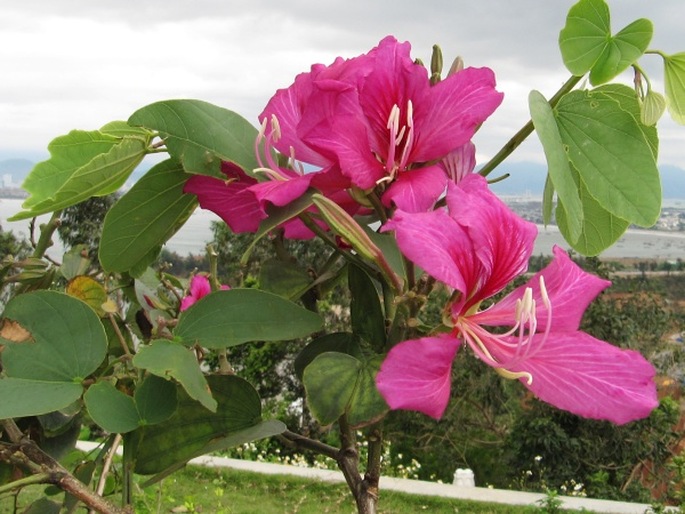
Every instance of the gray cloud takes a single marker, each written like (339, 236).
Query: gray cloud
(70, 63)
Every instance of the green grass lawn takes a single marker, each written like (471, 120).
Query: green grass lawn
(224, 491)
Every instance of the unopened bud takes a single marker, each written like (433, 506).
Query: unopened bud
(456, 67)
(436, 65)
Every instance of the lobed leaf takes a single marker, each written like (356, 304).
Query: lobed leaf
(608, 147)
(587, 45)
(337, 384)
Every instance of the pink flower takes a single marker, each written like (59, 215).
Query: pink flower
(199, 288)
(477, 249)
(376, 117)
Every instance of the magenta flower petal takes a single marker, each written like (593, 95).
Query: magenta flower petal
(186, 302)
(416, 374)
(437, 244)
(281, 192)
(502, 240)
(578, 373)
(199, 286)
(417, 190)
(231, 200)
(460, 162)
(570, 291)
(457, 106)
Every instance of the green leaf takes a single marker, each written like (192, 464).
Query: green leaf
(82, 164)
(201, 135)
(547, 201)
(23, 397)
(653, 108)
(368, 321)
(285, 279)
(337, 384)
(110, 408)
(607, 145)
(674, 78)
(66, 341)
(341, 342)
(228, 318)
(586, 42)
(156, 400)
(75, 262)
(600, 228)
(557, 161)
(145, 217)
(167, 359)
(193, 428)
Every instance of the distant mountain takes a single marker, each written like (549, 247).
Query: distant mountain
(529, 179)
(526, 178)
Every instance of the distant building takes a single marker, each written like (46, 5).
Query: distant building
(7, 180)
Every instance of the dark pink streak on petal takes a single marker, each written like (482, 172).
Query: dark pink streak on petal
(437, 244)
(501, 239)
(416, 375)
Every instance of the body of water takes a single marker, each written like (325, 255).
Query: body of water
(192, 238)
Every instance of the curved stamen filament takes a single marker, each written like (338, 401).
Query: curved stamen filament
(525, 327)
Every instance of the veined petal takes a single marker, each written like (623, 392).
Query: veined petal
(335, 126)
(437, 244)
(594, 379)
(570, 291)
(460, 162)
(416, 190)
(502, 240)
(231, 200)
(416, 374)
(457, 106)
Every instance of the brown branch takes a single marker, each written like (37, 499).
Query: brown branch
(26, 454)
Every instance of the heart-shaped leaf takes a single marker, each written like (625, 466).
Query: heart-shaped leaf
(337, 384)
(83, 164)
(51, 342)
(153, 402)
(608, 146)
(586, 42)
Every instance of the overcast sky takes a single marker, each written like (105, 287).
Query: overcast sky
(76, 64)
